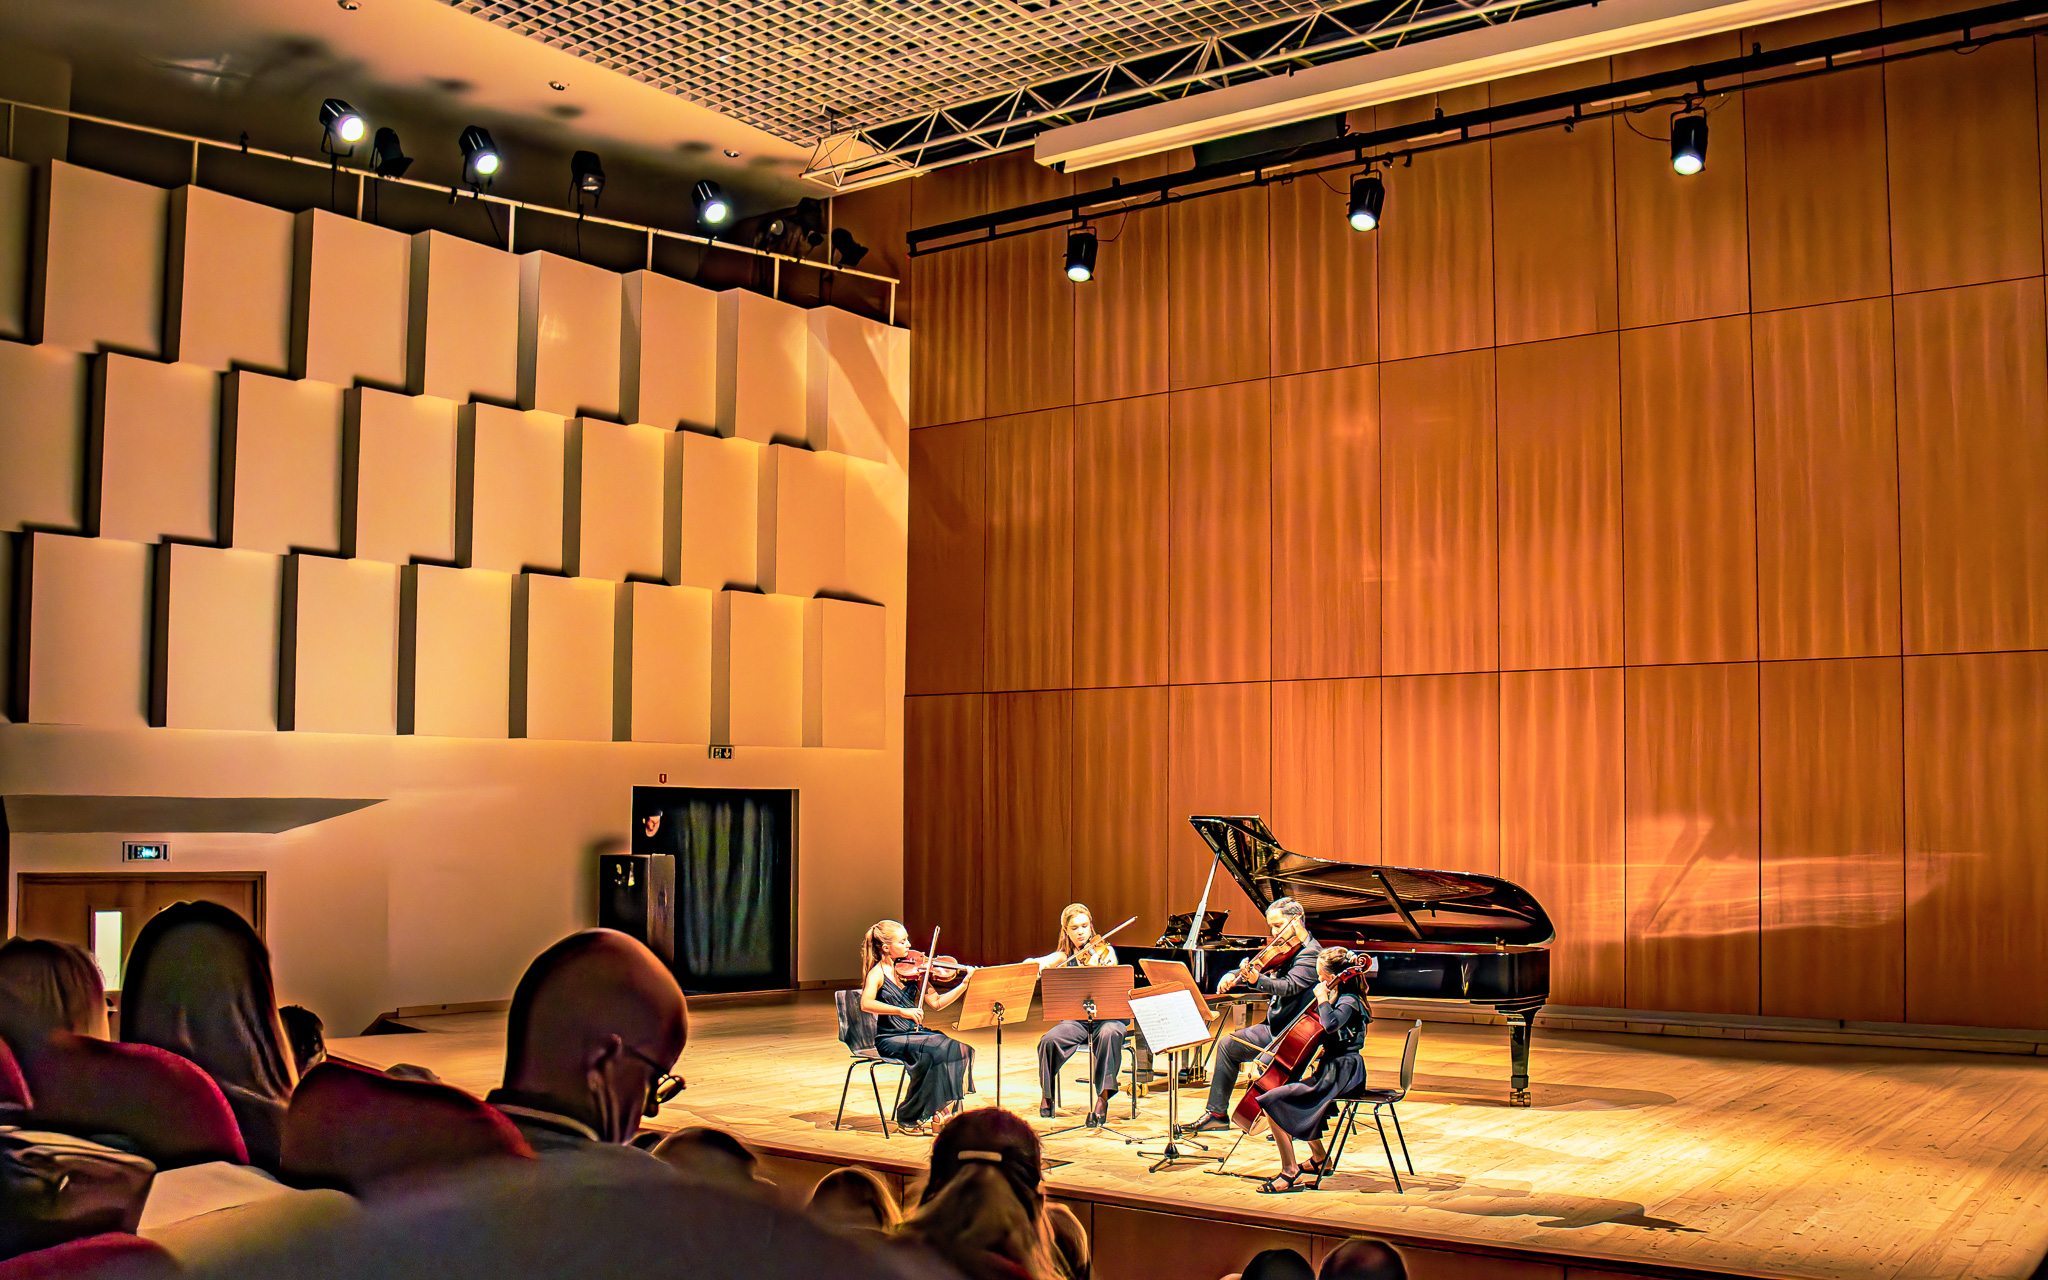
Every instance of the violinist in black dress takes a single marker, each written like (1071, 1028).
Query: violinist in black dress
(1080, 945)
(937, 1079)
(1302, 1109)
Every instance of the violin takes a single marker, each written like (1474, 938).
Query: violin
(1290, 1050)
(943, 972)
(1276, 954)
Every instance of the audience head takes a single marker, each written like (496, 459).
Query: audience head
(1278, 1264)
(1070, 1239)
(306, 1034)
(854, 1198)
(48, 986)
(709, 1155)
(1361, 1259)
(596, 1021)
(983, 1197)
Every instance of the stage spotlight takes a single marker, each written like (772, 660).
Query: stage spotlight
(713, 209)
(1368, 197)
(1688, 143)
(847, 251)
(1081, 255)
(479, 153)
(389, 160)
(341, 121)
(586, 173)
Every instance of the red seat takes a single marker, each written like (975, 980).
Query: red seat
(109, 1257)
(14, 1095)
(353, 1129)
(170, 1109)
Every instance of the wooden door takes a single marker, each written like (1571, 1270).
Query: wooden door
(62, 906)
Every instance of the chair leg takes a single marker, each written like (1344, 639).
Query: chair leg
(898, 1103)
(1345, 1124)
(1402, 1136)
(850, 1068)
(1398, 1188)
(876, 1085)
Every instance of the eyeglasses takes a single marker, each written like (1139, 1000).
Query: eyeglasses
(664, 1087)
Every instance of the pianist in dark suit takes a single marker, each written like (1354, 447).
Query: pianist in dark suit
(1292, 987)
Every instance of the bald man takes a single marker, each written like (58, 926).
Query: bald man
(596, 1025)
(1362, 1258)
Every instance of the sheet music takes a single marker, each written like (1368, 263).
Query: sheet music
(1169, 1019)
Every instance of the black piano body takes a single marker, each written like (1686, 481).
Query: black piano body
(1438, 935)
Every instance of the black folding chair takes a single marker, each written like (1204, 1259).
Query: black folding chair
(857, 1033)
(1378, 1100)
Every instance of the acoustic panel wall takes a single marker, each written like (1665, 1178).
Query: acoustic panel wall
(97, 283)
(455, 657)
(82, 653)
(662, 691)
(351, 301)
(509, 494)
(613, 497)
(757, 670)
(877, 514)
(398, 477)
(462, 320)
(339, 660)
(280, 474)
(858, 398)
(845, 665)
(763, 349)
(17, 223)
(228, 282)
(668, 358)
(802, 541)
(570, 315)
(153, 465)
(43, 436)
(711, 512)
(562, 655)
(216, 646)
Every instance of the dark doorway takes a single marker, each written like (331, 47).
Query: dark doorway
(734, 902)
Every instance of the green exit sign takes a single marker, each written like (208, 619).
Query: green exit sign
(145, 851)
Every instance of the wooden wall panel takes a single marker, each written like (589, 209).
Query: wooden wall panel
(1436, 242)
(1221, 737)
(1973, 464)
(946, 621)
(1684, 242)
(1030, 551)
(1827, 482)
(1560, 503)
(1030, 324)
(1438, 515)
(949, 375)
(1120, 315)
(1030, 846)
(1555, 272)
(1440, 772)
(1976, 822)
(1563, 821)
(1688, 494)
(1326, 524)
(1324, 276)
(945, 852)
(1120, 542)
(1326, 767)
(1693, 837)
(1219, 311)
(1965, 168)
(1819, 228)
(1834, 936)
(1220, 556)
(1120, 818)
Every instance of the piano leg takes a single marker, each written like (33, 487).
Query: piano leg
(1521, 1023)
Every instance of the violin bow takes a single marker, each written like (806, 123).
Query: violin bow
(924, 984)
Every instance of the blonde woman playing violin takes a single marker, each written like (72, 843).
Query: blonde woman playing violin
(1080, 944)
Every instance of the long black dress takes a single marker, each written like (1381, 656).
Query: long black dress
(938, 1062)
(1301, 1109)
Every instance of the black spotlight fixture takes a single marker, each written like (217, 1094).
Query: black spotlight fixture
(340, 123)
(1688, 143)
(586, 175)
(713, 209)
(1368, 197)
(479, 155)
(846, 251)
(387, 157)
(1081, 247)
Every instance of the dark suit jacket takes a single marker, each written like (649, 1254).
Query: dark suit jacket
(1291, 988)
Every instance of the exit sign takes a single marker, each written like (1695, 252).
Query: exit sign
(145, 851)
(721, 753)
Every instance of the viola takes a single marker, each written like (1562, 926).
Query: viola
(1290, 1052)
(944, 972)
(1276, 954)
(1096, 954)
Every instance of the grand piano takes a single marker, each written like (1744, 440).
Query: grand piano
(1438, 935)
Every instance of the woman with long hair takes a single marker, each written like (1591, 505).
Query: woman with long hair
(1302, 1109)
(1080, 944)
(48, 986)
(937, 1079)
(983, 1208)
(854, 1199)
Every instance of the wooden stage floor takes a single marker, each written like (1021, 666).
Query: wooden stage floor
(1721, 1156)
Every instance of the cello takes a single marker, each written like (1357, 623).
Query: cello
(1289, 1053)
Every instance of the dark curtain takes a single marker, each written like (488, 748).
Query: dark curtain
(732, 887)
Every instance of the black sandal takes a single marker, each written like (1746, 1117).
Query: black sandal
(1281, 1184)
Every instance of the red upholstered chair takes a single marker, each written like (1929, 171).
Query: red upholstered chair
(109, 1257)
(354, 1129)
(170, 1109)
(14, 1095)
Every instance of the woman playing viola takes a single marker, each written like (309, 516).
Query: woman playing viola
(1302, 1109)
(1080, 944)
(937, 1080)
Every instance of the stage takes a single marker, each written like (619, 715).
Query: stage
(1646, 1153)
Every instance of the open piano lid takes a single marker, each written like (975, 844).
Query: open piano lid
(1351, 901)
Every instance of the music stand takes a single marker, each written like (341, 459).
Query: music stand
(1090, 993)
(1171, 1015)
(995, 995)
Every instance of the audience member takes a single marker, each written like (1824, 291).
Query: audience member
(1362, 1259)
(412, 1071)
(710, 1155)
(307, 1036)
(48, 986)
(198, 984)
(983, 1209)
(1276, 1264)
(596, 1024)
(854, 1199)
(1070, 1240)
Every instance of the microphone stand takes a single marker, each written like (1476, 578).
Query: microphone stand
(1088, 1007)
(997, 1010)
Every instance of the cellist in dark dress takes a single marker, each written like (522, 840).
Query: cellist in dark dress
(1302, 1109)
(937, 1079)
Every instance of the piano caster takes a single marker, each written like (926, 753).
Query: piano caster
(1518, 1097)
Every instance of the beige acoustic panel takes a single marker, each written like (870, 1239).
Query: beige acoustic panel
(351, 296)
(569, 321)
(455, 652)
(668, 357)
(398, 476)
(509, 495)
(153, 459)
(17, 219)
(859, 386)
(762, 354)
(711, 523)
(462, 320)
(82, 649)
(217, 626)
(43, 407)
(757, 670)
(802, 545)
(613, 500)
(280, 471)
(662, 689)
(877, 524)
(562, 658)
(339, 660)
(845, 674)
(228, 283)
(98, 283)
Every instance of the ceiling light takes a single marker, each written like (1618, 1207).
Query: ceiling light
(558, 86)
(586, 173)
(388, 158)
(713, 209)
(479, 153)
(1688, 143)
(1081, 255)
(341, 121)
(1368, 197)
